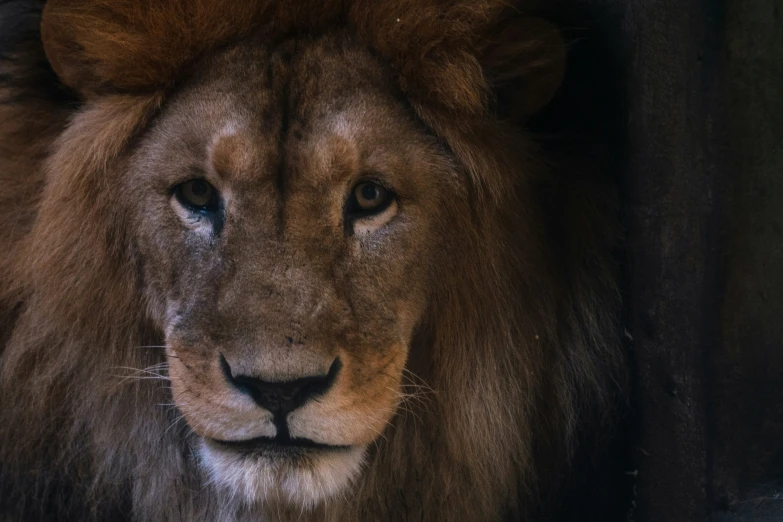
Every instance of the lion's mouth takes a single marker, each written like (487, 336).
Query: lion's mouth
(278, 468)
(283, 446)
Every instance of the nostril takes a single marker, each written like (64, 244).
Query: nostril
(228, 374)
(282, 397)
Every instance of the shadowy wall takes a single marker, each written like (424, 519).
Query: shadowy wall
(703, 191)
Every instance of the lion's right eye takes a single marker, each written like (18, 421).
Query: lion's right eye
(197, 195)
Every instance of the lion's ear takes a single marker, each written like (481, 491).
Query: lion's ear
(136, 45)
(98, 46)
(62, 34)
(524, 60)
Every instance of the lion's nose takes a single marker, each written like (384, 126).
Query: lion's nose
(282, 397)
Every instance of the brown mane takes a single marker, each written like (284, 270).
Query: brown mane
(523, 345)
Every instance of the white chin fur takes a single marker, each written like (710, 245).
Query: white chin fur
(304, 481)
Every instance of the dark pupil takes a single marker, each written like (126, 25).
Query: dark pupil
(370, 192)
(198, 188)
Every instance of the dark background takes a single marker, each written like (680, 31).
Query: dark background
(688, 97)
(702, 189)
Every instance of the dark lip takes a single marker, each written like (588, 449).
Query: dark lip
(277, 445)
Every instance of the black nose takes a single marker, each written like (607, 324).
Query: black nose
(283, 397)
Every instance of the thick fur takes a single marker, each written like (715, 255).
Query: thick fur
(519, 341)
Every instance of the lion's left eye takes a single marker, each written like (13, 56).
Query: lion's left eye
(367, 198)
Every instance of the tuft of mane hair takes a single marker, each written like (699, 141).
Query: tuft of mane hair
(75, 445)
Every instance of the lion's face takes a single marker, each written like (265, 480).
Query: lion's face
(287, 210)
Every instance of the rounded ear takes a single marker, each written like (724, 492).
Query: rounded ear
(524, 61)
(65, 55)
(97, 46)
(84, 39)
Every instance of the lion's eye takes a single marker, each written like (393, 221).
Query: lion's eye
(369, 197)
(197, 195)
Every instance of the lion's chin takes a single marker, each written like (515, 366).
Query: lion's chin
(297, 476)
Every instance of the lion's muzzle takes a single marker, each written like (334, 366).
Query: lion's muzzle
(281, 398)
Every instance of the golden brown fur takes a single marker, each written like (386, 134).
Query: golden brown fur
(494, 321)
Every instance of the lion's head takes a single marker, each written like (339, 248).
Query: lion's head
(320, 226)
(289, 214)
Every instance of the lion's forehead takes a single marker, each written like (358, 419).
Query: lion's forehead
(311, 110)
(243, 153)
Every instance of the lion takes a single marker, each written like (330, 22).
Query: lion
(294, 261)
